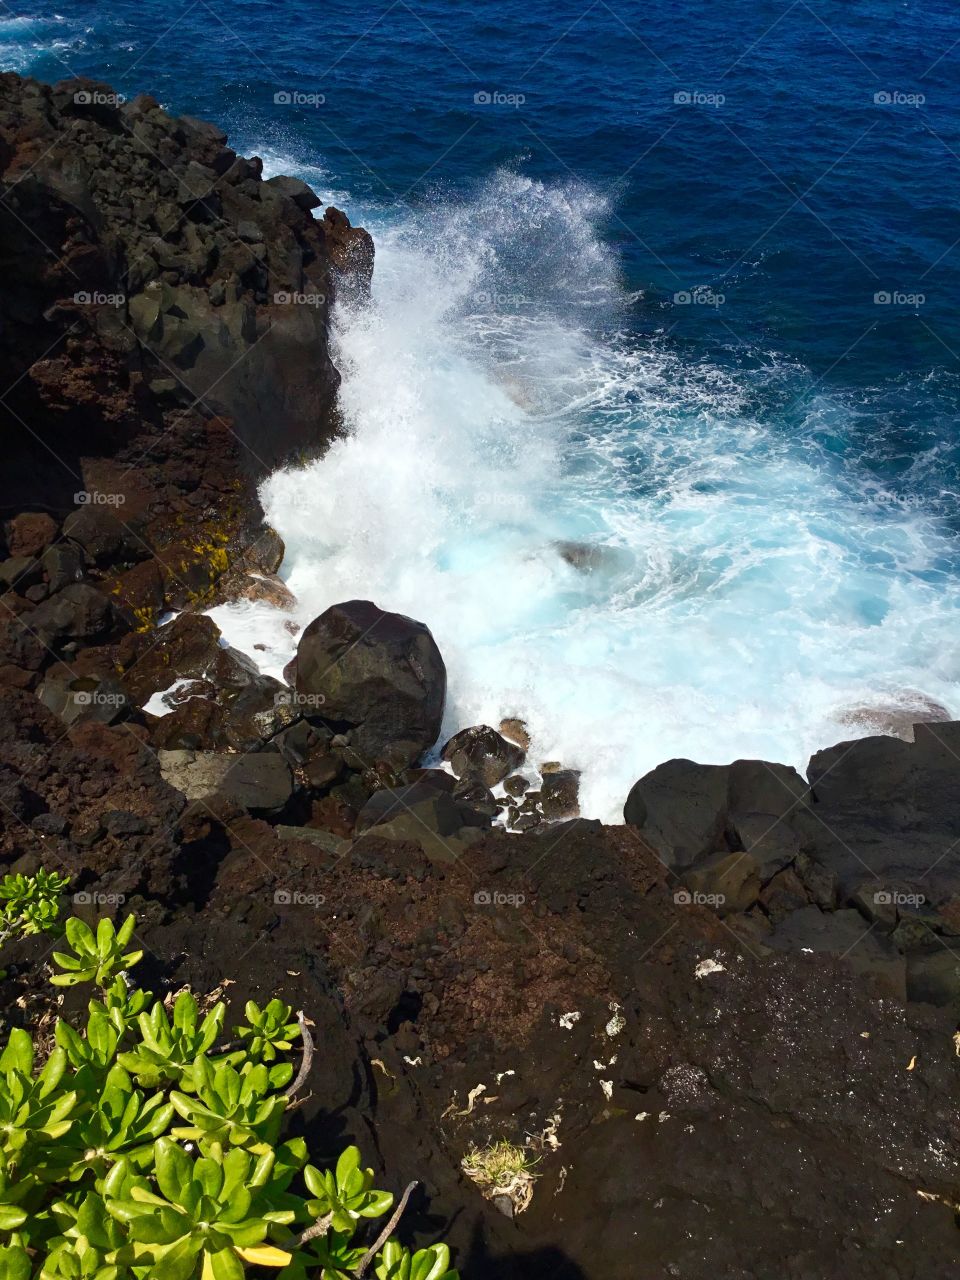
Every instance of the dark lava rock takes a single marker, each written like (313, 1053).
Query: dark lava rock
(483, 755)
(685, 810)
(103, 536)
(560, 794)
(438, 810)
(380, 673)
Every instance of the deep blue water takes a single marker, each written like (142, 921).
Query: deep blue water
(770, 196)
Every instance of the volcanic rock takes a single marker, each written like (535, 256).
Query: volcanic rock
(379, 673)
(483, 755)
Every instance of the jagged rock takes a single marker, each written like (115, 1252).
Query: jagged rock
(324, 840)
(560, 794)
(78, 612)
(481, 754)
(296, 191)
(379, 673)
(783, 894)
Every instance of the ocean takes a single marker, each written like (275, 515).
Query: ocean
(653, 418)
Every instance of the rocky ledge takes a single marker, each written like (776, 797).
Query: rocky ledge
(724, 1033)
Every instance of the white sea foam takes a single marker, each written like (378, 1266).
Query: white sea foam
(744, 591)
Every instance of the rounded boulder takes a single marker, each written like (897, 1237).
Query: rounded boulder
(378, 674)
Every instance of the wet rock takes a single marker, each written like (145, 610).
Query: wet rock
(430, 808)
(482, 755)
(560, 794)
(477, 797)
(516, 785)
(516, 731)
(379, 673)
(895, 717)
(259, 781)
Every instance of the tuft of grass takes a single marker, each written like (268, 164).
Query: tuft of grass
(502, 1169)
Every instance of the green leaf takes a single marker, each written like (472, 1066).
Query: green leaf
(174, 1168)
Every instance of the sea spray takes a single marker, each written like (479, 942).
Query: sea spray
(606, 537)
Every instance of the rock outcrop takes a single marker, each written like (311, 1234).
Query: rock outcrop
(164, 319)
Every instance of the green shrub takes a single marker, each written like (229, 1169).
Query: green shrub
(144, 1150)
(30, 904)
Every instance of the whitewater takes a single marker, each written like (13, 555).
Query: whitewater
(610, 537)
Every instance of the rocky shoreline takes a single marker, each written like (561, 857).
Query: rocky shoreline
(724, 1031)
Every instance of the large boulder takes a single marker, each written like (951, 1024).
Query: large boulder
(378, 675)
(688, 811)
